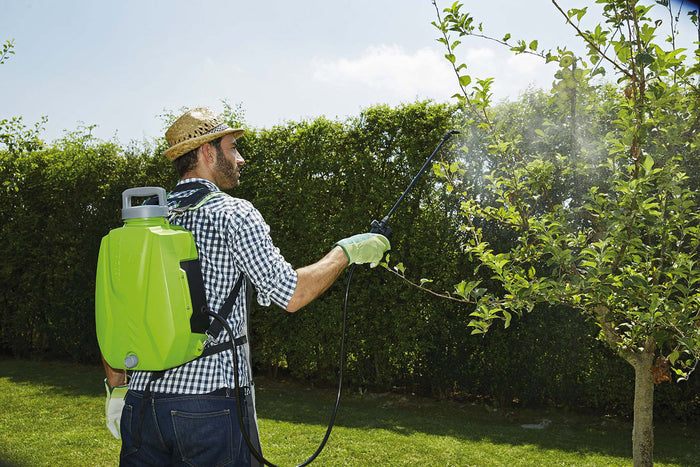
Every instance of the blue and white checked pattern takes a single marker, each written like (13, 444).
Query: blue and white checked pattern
(232, 238)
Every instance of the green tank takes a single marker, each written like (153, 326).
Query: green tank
(143, 304)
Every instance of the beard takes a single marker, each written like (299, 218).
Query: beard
(228, 171)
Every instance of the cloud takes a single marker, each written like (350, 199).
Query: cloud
(527, 65)
(391, 70)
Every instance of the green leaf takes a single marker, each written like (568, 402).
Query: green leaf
(644, 58)
(533, 45)
(507, 317)
(464, 289)
(674, 356)
(477, 293)
(465, 80)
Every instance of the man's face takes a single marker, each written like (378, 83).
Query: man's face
(228, 163)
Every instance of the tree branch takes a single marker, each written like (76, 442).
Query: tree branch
(611, 336)
(584, 36)
(424, 289)
(450, 51)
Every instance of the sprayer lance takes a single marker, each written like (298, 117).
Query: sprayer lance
(382, 226)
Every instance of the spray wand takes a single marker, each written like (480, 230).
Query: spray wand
(381, 227)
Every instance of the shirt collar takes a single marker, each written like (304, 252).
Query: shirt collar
(210, 184)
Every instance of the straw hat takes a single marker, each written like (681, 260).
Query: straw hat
(193, 129)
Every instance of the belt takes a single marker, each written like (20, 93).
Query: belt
(229, 392)
(221, 392)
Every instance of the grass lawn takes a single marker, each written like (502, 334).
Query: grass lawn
(53, 415)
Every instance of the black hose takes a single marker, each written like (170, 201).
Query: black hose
(254, 451)
(377, 227)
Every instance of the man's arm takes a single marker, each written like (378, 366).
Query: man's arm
(315, 279)
(114, 377)
(115, 387)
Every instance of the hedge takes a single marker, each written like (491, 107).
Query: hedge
(314, 182)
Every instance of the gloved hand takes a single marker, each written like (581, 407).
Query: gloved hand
(114, 406)
(365, 248)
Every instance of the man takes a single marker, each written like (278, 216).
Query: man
(189, 415)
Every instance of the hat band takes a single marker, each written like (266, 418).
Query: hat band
(218, 128)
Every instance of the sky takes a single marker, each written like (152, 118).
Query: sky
(121, 64)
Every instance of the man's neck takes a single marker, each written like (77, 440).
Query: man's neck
(195, 174)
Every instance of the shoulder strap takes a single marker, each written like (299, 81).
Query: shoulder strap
(189, 186)
(224, 313)
(201, 195)
(215, 328)
(194, 201)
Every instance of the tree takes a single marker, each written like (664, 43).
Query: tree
(18, 138)
(622, 245)
(14, 134)
(7, 50)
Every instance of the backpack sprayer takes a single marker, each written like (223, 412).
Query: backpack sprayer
(160, 310)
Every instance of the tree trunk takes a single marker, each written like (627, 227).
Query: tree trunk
(643, 430)
(642, 361)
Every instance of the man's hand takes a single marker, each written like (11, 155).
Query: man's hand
(114, 406)
(365, 248)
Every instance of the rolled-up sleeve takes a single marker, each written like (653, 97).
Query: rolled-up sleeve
(273, 277)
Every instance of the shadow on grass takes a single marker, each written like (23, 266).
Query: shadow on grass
(404, 415)
(66, 379)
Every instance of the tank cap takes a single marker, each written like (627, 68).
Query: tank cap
(144, 211)
(131, 361)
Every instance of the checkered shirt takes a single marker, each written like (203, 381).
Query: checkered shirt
(231, 238)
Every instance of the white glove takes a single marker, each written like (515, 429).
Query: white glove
(114, 406)
(365, 248)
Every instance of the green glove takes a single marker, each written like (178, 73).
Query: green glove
(365, 248)
(114, 406)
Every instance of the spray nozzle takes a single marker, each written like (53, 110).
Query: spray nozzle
(381, 227)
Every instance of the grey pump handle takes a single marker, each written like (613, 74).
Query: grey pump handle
(145, 211)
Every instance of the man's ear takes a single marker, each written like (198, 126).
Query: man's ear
(208, 153)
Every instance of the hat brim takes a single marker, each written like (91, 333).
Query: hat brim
(186, 146)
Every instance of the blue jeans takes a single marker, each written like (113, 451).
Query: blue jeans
(192, 430)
